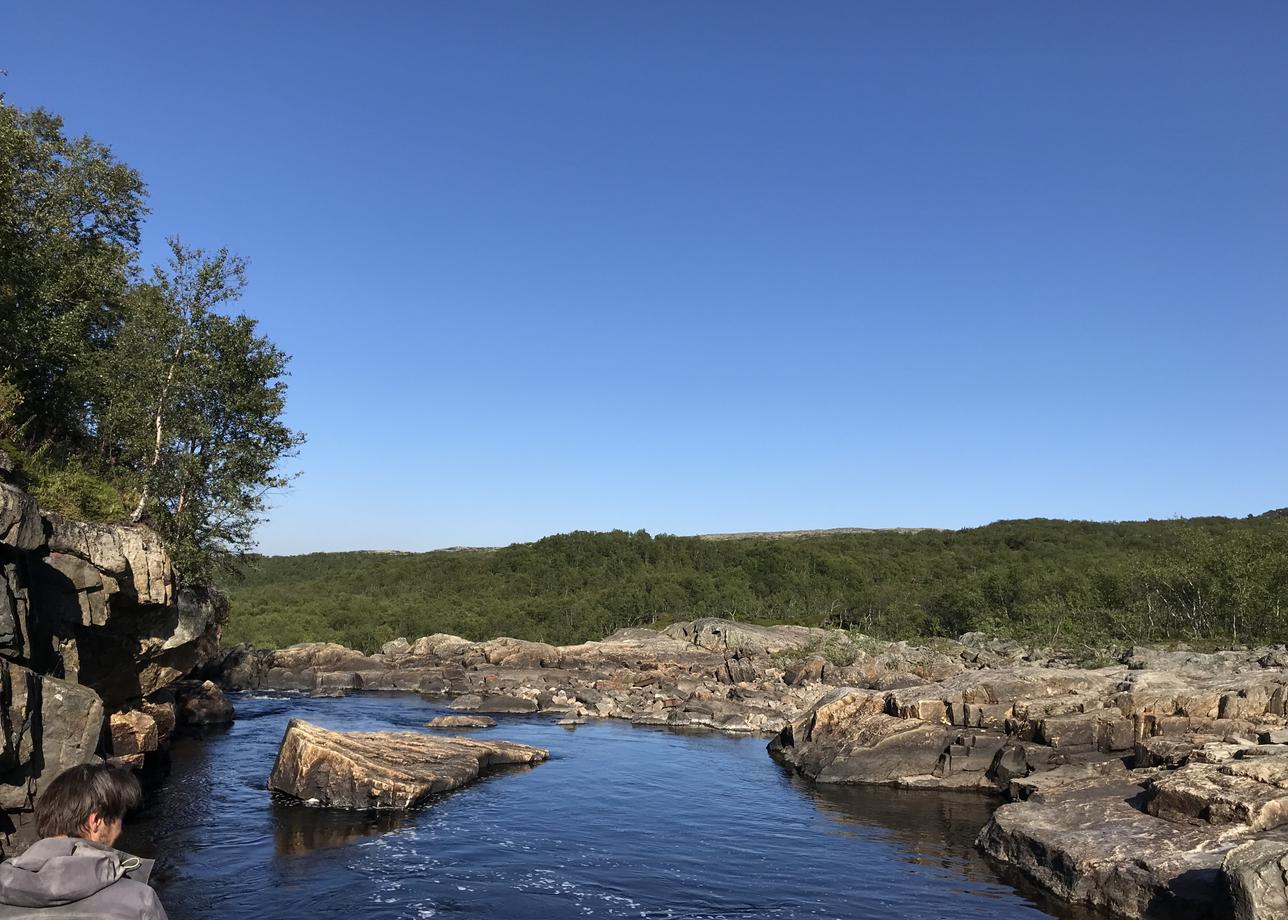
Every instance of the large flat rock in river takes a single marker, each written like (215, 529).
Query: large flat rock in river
(363, 770)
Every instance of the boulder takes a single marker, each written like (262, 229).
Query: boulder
(46, 726)
(321, 656)
(242, 668)
(494, 702)
(847, 737)
(728, 637)
(739, 669)
(163, 714)
(363, 770)
(21, 526)
(441, 645)
(1170, 752)
(202, 703)
(395, 647)
(461, 722)
(1248, 791)
(1256, 877)
(133, 732)
(517, 653)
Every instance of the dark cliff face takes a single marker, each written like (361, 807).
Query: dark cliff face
(94, 636)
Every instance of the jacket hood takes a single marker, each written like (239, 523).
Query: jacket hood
(63, 870)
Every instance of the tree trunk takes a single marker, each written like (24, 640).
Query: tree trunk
(156, 452)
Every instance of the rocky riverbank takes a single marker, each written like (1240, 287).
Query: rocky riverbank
(1154, 786)
(96, 638)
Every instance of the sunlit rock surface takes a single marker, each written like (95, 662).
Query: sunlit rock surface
(1129, 783)
(457, 722)
(1256, 876)
(1151, 840)
(362, 770)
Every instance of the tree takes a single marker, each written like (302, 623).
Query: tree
(185, 295)
(69, 234)
(197, 410)
(138, 390)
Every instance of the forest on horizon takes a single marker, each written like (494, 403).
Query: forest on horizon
(1062, 583)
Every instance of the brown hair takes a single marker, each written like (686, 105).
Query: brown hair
(65, 805)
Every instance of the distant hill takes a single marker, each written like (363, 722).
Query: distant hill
(800, 534)
(1049, 580)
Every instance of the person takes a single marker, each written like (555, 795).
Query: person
(73, 872)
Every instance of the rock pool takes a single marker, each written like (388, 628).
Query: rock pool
(622, 821)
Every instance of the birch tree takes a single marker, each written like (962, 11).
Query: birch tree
(192, 285)
(195, 410)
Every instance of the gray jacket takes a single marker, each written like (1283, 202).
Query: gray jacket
(66, 878)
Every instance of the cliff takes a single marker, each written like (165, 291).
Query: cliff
(95, 636)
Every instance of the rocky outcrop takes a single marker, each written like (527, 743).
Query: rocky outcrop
(641, 675)
(709, 673)
(1150, 841)
(1091, 843)
(978, 729)
(740, 639)
(1131, 785)
(201, 704)
(366, 770)
(459, 722)
(46, 726)
(1256, 877)
(94, 633)
(848, 736)
(238, 668)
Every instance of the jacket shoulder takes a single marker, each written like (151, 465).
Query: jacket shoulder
(124, 899)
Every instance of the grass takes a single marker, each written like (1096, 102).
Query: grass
(69, 485)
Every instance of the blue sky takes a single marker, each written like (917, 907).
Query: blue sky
(722, 266)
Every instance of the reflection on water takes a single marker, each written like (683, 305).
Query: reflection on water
(299, 828)
(939, 827)
(622, 821)
(931, 829)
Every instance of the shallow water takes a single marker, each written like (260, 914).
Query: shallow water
(622, 821)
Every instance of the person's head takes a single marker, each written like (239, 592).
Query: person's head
(88, 801)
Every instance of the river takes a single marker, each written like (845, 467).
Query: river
(622, 821)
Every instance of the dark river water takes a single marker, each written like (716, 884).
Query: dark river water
(622, 821)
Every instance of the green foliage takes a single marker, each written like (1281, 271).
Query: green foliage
(1068, 583)
(75, 492)
(10, 403)
(70, 484)
(112, 387)
(196, 410)
(69, 232)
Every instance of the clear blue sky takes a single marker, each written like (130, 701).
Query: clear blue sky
(719, 266)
